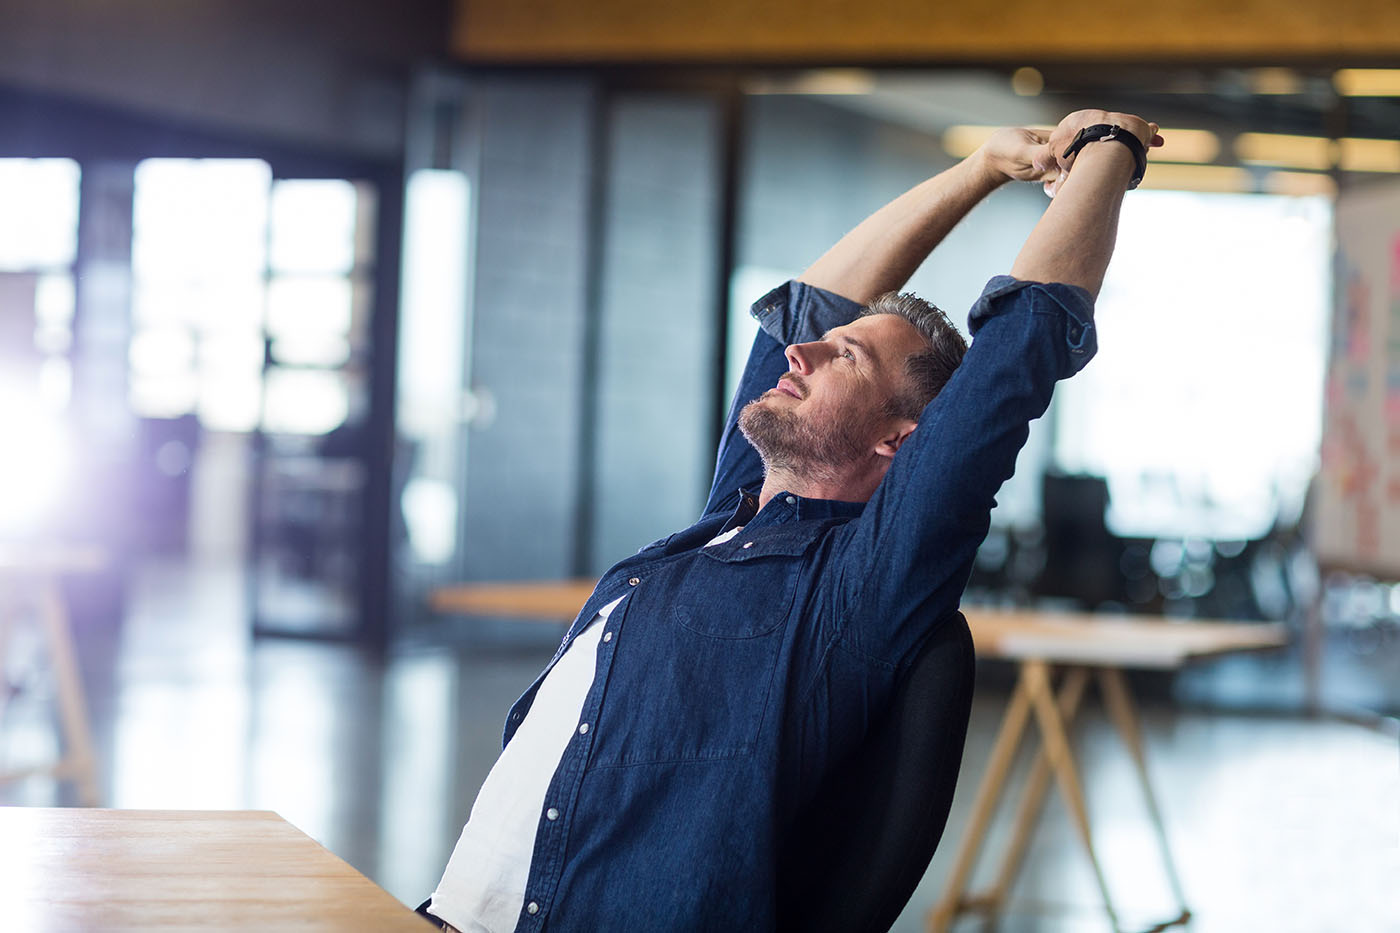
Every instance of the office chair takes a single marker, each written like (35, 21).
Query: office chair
(871, 831)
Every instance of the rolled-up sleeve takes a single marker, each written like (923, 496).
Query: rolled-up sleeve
(796, 312)
(1070, 305)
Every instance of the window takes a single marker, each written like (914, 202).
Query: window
(234, 270)
(1204, 407)
(38, 247)
(199, 255)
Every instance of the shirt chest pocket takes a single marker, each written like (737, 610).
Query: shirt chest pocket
(696, 664)
(743, 588)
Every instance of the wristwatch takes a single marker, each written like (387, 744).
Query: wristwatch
(1103, 131)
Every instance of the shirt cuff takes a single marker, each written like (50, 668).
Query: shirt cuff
(1072, 306)
(796, 312)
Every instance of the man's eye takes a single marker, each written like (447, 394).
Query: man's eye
(849, 355)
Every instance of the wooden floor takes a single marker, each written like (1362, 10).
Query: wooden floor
(1279, 823)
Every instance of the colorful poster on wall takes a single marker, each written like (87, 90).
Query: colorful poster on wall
(1357, 509)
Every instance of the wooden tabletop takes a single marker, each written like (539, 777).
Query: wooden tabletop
(77, 870)
(1135, 641)
(537, 600)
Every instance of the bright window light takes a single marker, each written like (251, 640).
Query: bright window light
(310, 350)
(162, 395)
(313, 226)
(1203, 408)
(430, 512)
(168, 351)
(434, 300)
(434, 346)
(200, 219)
(230, 362)
(199, 253)
(198, 303)
(229, 401)
(40, 198)
(304, 401)
(224, 259)
(56, 382)
(298, 305)
(156, 302)
(35, 470)
(54, 300)
(231, 350)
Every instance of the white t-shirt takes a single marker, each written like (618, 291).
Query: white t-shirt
(483, 887)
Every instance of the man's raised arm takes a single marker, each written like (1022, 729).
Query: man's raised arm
(907, 558)
(1074, 239)
(876, 257)
(881, 253)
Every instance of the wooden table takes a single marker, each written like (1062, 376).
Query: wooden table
(531, 600)
(1074, 646)
(1070, 647)
(77, 870)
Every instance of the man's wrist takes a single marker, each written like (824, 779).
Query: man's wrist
(1110, 156)
(984, 167)
(1112, 132)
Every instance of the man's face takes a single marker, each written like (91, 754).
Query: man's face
(828, 410)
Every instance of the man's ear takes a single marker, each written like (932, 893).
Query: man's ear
(889, 445)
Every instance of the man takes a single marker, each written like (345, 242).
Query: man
(651, 774)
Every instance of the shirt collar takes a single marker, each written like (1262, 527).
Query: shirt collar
(787, 506)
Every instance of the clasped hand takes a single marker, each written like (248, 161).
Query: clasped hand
(1027, 154)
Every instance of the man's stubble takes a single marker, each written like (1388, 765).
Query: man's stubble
(797, 446)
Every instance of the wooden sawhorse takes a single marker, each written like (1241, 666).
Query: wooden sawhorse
(1083, 646)
(30, 577)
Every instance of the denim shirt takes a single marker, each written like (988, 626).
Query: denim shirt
(737, 675)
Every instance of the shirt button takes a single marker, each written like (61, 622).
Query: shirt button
(532, 908)
(607, 636)
(551, 814)
(583, 729)
(748, 544)
(634, 581)
(791, 500)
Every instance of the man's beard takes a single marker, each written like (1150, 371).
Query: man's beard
(789, 444)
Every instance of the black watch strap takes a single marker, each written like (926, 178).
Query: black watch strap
(1104, 131)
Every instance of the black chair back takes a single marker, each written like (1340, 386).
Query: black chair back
(866, 840)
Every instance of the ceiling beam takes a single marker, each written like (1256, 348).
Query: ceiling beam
(926, 32)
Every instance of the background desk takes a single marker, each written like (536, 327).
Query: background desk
(1076, 645)
(538, 600)
(74, 870)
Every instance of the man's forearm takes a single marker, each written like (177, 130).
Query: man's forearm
(882, 252)
(1074, 239)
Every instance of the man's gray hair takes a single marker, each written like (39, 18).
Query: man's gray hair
(929, 370)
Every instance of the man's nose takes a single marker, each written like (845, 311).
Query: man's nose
(803, 357)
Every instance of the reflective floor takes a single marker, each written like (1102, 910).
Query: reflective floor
(1278, 823)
